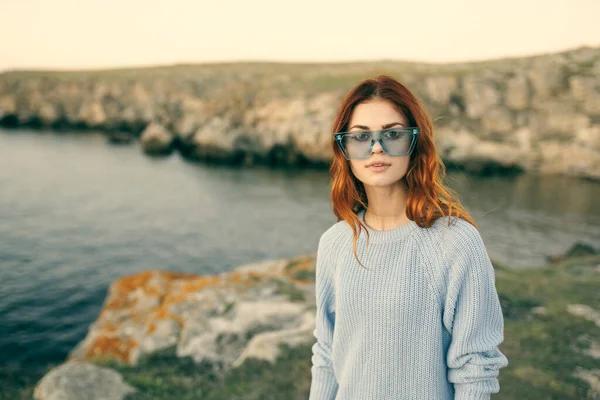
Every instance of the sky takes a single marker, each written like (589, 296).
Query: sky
(82, 34)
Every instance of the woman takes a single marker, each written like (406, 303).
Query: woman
(406, 301)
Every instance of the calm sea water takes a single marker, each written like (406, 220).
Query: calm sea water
(77, 213)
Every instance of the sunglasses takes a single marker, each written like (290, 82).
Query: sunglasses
(396, 142)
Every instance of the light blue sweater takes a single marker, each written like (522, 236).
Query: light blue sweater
(423, 323)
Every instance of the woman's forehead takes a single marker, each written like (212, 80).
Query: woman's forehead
(375, 114)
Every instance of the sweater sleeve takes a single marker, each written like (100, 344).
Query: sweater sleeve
(473, 316)
(324, 385)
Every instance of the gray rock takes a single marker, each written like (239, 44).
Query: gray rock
(206, 341)
(591, 104)
(564, 158)
(265, 346)
(440, 88)
(578, 249)
(518, 93)
(583, 86)
(547, 78)
(81, 381)
(7, 105)
(480, 95)
(463, 147)
(497, 120)
(585, 311)
(92, 113)
(164, 335)
(589, 137)
(592, 377)
(213, 318)
(157, 140)
(48, 114)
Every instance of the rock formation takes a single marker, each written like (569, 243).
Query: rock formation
(537, 113)
(223, 319)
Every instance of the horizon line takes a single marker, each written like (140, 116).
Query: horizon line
(294, 62)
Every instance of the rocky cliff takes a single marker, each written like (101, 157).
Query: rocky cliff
(538, 113)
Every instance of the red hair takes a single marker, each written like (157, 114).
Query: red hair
(428, 198)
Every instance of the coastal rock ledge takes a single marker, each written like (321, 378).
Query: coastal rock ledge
(220, 320)
(538, 113)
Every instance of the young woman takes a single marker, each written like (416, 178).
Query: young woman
(407, 306)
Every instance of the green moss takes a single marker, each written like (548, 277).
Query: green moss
(18, 383)
(255, 330)
(498, 266)
(304, 275)
(228, 307)
(292, 264)
(288, 289)
(517, 307)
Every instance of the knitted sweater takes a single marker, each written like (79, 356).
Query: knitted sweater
(423, 322)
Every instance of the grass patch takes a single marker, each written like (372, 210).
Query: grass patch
(165, 376)
(545, 349)
(293, 264)
(304, 275)
(288, 289)
(301, 269)
(18, 383)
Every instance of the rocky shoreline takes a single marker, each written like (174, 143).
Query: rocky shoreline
(247, 333)
(219, 321)
(539, 114)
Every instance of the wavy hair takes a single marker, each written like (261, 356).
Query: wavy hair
(428, 197)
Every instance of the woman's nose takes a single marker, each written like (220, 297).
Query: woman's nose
(377, 148)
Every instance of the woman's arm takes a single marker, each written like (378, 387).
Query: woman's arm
(324, 385)
(473, 316)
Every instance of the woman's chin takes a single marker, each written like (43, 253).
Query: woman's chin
(381, 181)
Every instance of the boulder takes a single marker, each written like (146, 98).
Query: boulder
(209, 318)
(440, 88)
(156, 140)
(480, 95)
(81, 381)
(578, 249)
(518, 93)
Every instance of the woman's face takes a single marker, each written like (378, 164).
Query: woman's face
(374, 115)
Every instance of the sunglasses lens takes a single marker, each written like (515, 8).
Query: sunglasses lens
(357, 145)
(397, 143)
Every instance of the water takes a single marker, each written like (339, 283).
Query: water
(77, 213)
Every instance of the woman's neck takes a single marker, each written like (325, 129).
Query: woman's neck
(387, 206)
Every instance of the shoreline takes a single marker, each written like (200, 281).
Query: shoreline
(180, 147)
(538, 114)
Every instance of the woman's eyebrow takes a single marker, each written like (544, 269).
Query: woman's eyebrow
(382, 126)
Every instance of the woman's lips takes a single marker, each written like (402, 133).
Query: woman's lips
(378, 167)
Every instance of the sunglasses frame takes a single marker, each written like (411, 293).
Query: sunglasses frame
(414, 130)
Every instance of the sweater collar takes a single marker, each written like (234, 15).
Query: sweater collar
(377, 236)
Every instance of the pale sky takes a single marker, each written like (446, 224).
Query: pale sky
(76, 34)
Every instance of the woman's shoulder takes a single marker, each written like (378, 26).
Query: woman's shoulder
(338, 229)
(452, 244)
(337, 233)
(450, 232)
